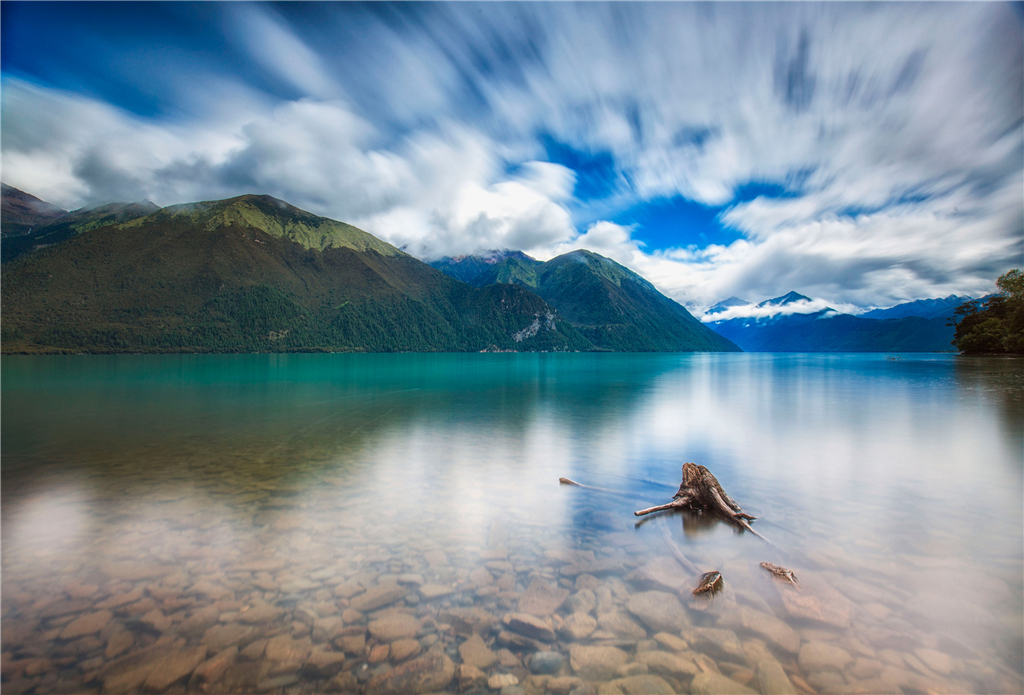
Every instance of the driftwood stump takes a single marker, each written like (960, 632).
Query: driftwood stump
(700, 491)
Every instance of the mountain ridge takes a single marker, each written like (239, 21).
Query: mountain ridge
(826, 330)
(233, 276)
(612, 306)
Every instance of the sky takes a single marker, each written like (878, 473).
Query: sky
(860, 154)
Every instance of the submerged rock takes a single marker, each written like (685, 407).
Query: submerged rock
(546, 663)
(530, 626)
(638, 685)
(542, 599)
(658, 610)
(174, 667)
(820, 656)
(771, 678)
(475, 653)
(596, 663)
(577, 626)
(660, 574)
(86, 625)
(621, 625)
(501, 680)
(718, 644)
(396, 626)
(431, 672)
(377, 597)
(667, 664)
(768, 627)
(710, 683)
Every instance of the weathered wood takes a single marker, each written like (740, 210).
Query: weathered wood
(700, 491)
(568, 481)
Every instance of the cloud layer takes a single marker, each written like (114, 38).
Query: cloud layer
(894, 131)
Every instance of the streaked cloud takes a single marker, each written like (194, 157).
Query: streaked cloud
(893, 131)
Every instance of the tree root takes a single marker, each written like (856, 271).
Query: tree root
(700, 491)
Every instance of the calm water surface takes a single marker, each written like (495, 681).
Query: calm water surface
(394, 523)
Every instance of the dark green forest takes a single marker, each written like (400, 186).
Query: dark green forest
(997, 327)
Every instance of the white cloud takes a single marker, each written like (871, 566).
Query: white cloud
(896, 129)
(769, 310)
(271, 43)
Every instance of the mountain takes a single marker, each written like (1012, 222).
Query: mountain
(20, 212)
(72, 223)
(255, 274)
(788, 298)
(611, 306)
(727, 304)
(828, 331)
(925, 308)
(468, 268)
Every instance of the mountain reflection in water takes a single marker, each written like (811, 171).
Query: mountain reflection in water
(164, 510)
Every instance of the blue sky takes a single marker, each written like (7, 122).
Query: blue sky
(859, 154)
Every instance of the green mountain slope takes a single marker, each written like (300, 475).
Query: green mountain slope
(612, 306)
(255, 274)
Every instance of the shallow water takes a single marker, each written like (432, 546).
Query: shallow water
(160, 512)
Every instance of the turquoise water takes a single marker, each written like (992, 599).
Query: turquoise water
(896, 483)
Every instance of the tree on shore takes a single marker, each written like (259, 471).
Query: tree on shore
(998, 328)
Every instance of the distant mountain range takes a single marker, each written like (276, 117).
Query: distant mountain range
(912, 327)
(613, 307)
(255, 274)
(925, 308)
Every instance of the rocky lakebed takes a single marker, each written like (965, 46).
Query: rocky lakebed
(314, 599)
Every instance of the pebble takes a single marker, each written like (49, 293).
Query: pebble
(86, 625)
(542, 599)
(658, 610)
(638, 685)
(530, 626)
(394, 626)
(820, 656)
(471, 677)
(174, 667)
(768, 627)
(402, 649)
(621, 625)
(771, 678)
(546, 662)
(666, 664)
(431, 672)
(577, 626)
(595, 663)
(377, 597)
(716, 684)
(476, 653)
(379, 653)
(716, 643)
(500, 680)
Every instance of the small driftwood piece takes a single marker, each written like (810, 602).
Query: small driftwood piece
(780, 572)
(710, 583)
(567, 481)
(700, 491)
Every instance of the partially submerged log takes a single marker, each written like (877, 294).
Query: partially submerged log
(701, 492)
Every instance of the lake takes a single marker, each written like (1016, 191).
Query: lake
(395, 523)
